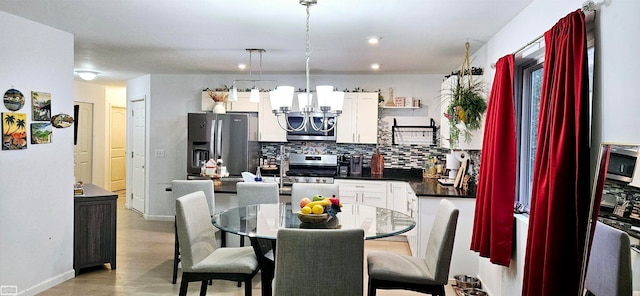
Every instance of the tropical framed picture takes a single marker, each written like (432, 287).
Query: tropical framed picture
(41, 132)
(14, 131)
(41, 106)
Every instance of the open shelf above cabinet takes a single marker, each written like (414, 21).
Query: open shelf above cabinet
(414, 134)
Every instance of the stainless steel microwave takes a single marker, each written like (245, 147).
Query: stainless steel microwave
(296, 119)
(622, 164)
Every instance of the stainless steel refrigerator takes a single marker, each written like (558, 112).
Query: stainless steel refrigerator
(232, 136)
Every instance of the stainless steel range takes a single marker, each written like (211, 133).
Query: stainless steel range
(309, 168)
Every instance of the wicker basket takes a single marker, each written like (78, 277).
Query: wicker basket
(313, 218)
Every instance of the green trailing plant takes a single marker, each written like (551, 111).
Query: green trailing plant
(465, 110)
(466, 103)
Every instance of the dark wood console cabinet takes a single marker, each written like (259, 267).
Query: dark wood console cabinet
(94, 234)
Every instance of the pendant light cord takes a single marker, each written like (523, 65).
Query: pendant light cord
(308, 55)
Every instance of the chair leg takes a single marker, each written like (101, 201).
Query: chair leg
(247, 287)
(176, 256)
(183, 287)
(371, 290)
(203, 288)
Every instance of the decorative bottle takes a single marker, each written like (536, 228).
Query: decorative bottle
(258, 177)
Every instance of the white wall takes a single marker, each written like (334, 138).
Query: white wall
(614, 107)
(36, 195)
(171, 97)
(102, 97)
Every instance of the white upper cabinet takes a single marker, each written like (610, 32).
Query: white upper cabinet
(269, 129)
(358, 122)
(243, 104)
(477, 135)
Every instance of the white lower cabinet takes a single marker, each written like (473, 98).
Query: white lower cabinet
(397, 196)
(412, 210)
(463, 260)
(371, 193)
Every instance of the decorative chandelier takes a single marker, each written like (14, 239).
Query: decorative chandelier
(329, 101)
(255, 92)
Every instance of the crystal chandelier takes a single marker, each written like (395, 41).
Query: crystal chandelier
(329, 101)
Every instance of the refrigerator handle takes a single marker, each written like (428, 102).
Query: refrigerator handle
(219, 140)
(212, 139)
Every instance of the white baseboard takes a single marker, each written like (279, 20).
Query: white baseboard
(50, 283)
(158, 217)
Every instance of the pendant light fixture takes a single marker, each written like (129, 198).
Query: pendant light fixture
(255, 91)
(329, 101)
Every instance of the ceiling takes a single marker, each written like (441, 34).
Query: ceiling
(123, 39)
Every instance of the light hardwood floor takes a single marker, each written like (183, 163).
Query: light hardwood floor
(144, 264)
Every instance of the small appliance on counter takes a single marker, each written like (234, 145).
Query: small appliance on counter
(343, 165)
(355, 169)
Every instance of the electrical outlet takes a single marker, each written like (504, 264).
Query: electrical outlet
(159, 153)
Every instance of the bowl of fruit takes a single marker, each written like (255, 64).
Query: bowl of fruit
(319, 209)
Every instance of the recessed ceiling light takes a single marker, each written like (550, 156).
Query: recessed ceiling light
(242, 66)
(375, 66)
(87, 74)
(373, 40)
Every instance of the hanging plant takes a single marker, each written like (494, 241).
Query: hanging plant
(466, 105)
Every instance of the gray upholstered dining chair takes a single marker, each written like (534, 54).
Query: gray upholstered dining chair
(300, 190)
(609, 269)
(201, 258)
(251, 193)
(183, 187)
(319, 262)
(426, 275)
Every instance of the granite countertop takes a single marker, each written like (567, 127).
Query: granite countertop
(421, 187)
(412, 176)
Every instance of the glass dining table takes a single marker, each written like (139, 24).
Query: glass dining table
(261, 222)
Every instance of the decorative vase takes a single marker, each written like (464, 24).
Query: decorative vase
(218, 108)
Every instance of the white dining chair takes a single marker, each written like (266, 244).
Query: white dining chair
(313, 262)
(429, 275)
(611, 256)
(251, 193)
(202, 260)
(180, 188)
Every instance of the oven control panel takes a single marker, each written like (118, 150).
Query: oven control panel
(288, 180)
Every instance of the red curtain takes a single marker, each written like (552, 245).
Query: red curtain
(561, 190)
(493, 221)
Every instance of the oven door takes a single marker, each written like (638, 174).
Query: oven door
(296, 120)
(622, 164)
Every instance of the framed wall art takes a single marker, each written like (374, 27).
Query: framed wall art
(14, 131)
(13, 100)
(41, 105)
(41, 132)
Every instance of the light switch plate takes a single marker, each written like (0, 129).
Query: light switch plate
(159, 153)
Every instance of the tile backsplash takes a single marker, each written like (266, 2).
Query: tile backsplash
(395, 156)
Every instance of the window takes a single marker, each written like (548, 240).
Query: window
(528, 90)
(528, 87)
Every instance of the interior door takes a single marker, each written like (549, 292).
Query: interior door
(139, 157)
(118, 139)
(83, 150)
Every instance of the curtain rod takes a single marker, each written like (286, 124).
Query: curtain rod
(588, 8)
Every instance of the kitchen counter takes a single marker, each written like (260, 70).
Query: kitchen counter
(412, 176)
(421, 187)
